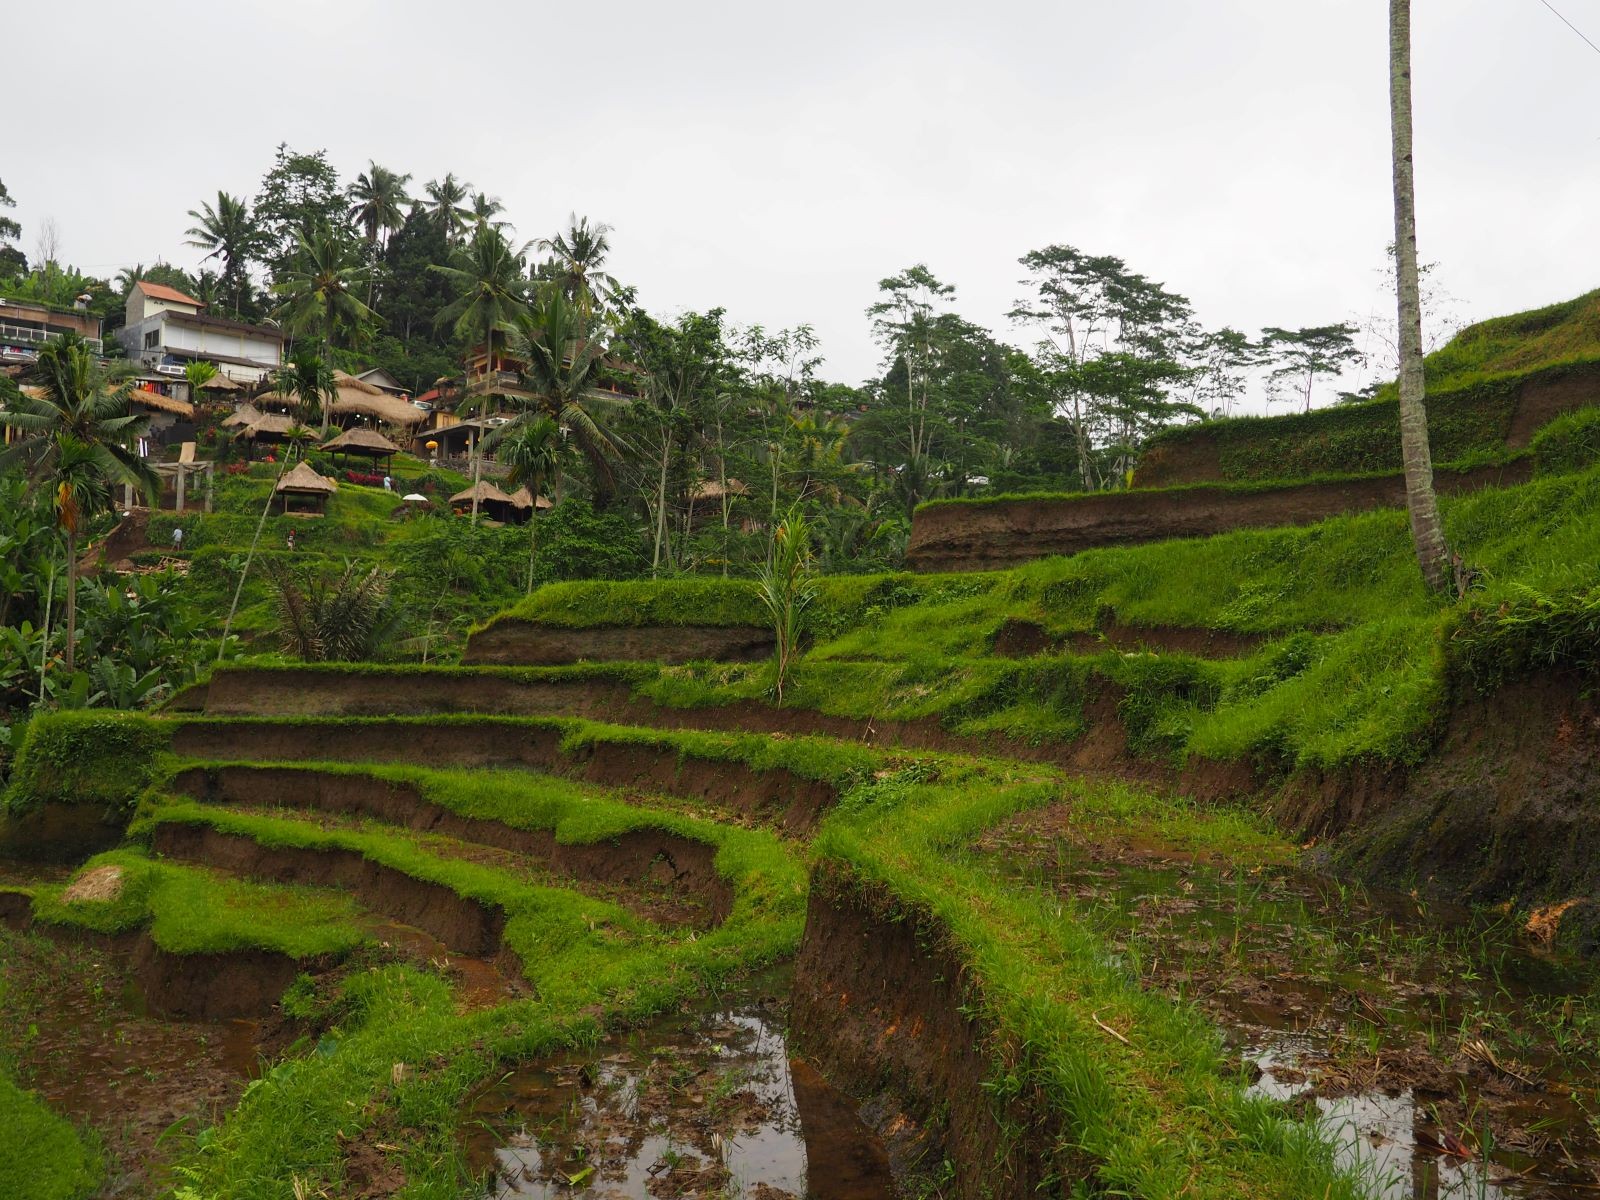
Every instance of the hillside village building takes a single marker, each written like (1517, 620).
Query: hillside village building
(166, 330)
(25, 327)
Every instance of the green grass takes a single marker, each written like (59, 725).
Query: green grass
(42, 1157)
(193, 910)
(1163, 1114)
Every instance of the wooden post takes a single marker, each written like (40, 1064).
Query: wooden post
(181, 470)
(211, 471)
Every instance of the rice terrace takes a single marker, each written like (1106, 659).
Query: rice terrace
(468, 733)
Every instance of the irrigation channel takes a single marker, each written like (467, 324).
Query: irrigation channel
(705, 1102)
(1447, 1054)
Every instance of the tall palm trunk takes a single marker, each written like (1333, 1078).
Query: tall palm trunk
(1427, 532)
(72, 595)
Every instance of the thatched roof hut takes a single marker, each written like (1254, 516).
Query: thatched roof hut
(156, 402)
(376, 405)
(245, 414)
(368, 443)
(491, 500)
(523, 499)
(303, 490)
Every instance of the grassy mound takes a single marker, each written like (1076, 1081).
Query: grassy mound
(42, 1157)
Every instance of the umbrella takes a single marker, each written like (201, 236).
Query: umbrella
(417, 496)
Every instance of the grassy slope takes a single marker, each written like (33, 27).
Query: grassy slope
(41, 1156)
(1356, 660)
(192, 910)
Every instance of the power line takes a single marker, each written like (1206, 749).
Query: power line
(1571, 26)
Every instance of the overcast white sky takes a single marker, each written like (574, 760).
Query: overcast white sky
(779, 163)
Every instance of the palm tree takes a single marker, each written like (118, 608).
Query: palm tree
(1427, 531)
(198, 373)
(76, 439)
(320, 287)
(230, 233)
(491, 302)
(129, 277)
(447, 204)
(532, 450)
(309, 376)
(485, 208)
(562, 368)
(576, 257)
(378, 202)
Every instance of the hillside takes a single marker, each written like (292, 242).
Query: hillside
(1490, 389)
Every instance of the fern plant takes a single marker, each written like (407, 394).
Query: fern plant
(333, 618)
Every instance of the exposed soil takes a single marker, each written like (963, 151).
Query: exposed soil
(61, 833)
(527, 644)
(79, 1034)
(881, 1005)
(790, 800)
(663, 876)
(466, 926)
(981, 537)
(1418, 1028)
(1024, 639)
(268, 691)
(704, 1103)
(1541, 401)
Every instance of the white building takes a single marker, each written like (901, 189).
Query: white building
(166, 330)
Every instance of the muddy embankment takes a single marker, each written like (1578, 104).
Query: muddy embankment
(1025, 639)
(514, 643)
(464, 925)
(61, 833)
(775, 794)
(200, 987)
(883, 1005)
(1003, 533)
(640, 858)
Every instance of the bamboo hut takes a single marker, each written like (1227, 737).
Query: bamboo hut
(303, 492)
(366, 443)
(491, 500)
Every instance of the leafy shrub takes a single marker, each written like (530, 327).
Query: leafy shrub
(1491, 643)
(1569, 443)
(84, 757)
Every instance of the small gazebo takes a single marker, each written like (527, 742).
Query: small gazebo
(303, 492)
(268, 429)
(367, 443)
(243, 415)
(491, 500)
(523, 501)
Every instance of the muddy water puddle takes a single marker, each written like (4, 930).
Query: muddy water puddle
(1445, 1055)
(706, 1103)
(77, 1029)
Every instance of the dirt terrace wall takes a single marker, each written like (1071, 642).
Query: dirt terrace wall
(1194, 456)
(516, 643)
(882, 1004)
(633, 858)
(465, 926)
(776, 795)
(1003, 533)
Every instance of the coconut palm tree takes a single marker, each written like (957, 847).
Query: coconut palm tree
(76, 441)
(491, 304)
(129, 277)
(562, 362)
(197, 374)
(310, 377)
(447, 204)
(577, 255)
(378, 202)
(229, 233)
(1427, 531)
(320, 288)
(532, 450)
(485, 208)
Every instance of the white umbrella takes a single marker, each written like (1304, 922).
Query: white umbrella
(416, 496)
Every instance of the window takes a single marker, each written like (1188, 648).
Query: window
(152, 339)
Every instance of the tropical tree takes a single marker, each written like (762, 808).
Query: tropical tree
(227, 232)
(1427, 531)
(577, 256)
(333, 618)
(447, 204)
(378, 202)
(1304, 355)
(532, 453)
(490, 304)
(562, 362)
(485, 208)
(309, 376)
(787, 590)
(76, 441)
(198, 374)
(320, 288)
